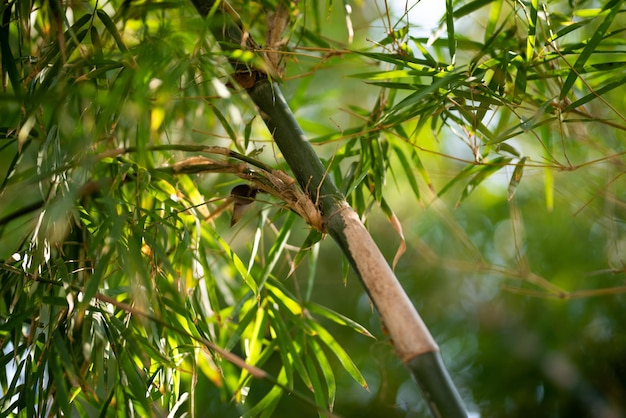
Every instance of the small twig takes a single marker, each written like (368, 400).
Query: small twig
(274, 182)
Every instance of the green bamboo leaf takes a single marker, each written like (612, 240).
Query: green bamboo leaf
(532, 30)
(447, 80)
(236, 262)
(226, 125)
(255, 341)
(397, 226)
(494, 17)
(136, 384)
(520, 83)
(450, 29)
(313, 37)
(516, 177)
(402, 61)
(249, 308)
(618, 82)
(247, 132)
(377, 166)
(289, 351)
(27, 397)
(345, 270)
(286, 301)
(470, 7)
(256, 242)
(306, 249)
(15, 386)
(61, 363)
(277, 248)
(613, 8)
(339, 352)
(112, 29)
(429, 58)
(505, 147)
(8, 60)
(412, 73)
(571, 27)
(408, 171)
(266, 406)
(464, 173)
(316, 384)
(483, 171)
(326, 369)
(338, 318)
(101, 268)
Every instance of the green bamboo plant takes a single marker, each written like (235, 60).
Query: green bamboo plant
(411, 338)
(132, 130)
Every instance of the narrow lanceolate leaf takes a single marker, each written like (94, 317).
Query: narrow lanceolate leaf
(483, 172)
(338, 318)
(450, 28)
(267, 405)
(614, 8)
(326, 369)
(316, 383)
(305, 249)
(112, 29)
(225, 124)
(618, 82)
(237, 263)
(8, 60)
(494, 17)
(339, 352)
(408, 171)
(289, 350)
(469, 7)
(516, 178)
(532, 30)
(277, 248)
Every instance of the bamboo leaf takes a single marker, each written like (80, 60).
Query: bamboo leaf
(482, 172)
(470, 7)
(450, 29)
(316, 383)
(266, 406)
(237, 263)
(339, 352)
(326, 369)
(618, 82)
(277, 248)
(532, 30)
(516, 177)
(613, 8)
(305, 249)
(408, 171)
(8, 60)
(289, 351)
(337, 318)
(112, 29)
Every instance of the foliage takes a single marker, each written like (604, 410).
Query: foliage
(121, 280)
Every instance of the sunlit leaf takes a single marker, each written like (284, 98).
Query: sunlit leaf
(613, 9)
(339, 352)
(337, 318)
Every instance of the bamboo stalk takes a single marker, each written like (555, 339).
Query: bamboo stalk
(413, 342)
